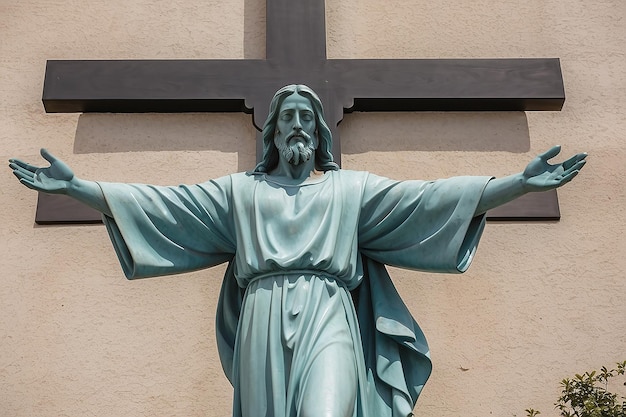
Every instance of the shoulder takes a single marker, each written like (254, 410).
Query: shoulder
(352, 183)
(349, 175)
(243, 176)
(239, 177)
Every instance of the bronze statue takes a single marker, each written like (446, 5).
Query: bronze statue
(309, 323)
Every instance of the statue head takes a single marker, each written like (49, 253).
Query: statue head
(323, 154)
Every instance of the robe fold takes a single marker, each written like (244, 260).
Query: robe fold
(306, 275)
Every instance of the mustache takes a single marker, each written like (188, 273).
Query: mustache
(300, 133)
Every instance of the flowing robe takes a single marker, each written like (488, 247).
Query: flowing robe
(306, 286)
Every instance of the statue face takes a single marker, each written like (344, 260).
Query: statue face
(295, 135)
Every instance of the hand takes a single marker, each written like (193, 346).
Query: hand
(539, 175)
(55, 179)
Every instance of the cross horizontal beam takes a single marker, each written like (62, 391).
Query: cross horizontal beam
(174, 86)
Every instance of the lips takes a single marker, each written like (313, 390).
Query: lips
(296, 138)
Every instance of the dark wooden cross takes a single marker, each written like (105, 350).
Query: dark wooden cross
(296, 53)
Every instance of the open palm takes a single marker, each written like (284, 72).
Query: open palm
(54, 179)
(539, 175)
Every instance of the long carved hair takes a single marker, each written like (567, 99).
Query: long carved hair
(323, 153)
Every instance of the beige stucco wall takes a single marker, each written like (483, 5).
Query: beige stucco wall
(541, 301)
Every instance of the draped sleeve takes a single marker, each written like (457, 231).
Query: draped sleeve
(168, 230)
(419, 225)
(422, 225)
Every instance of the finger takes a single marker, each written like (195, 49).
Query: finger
(574, 160)
(33, 186)
(576, 167)
(565, 178)
(22, 164)
(550, 153)
(23, 172)
(30, 184)
(48, 156)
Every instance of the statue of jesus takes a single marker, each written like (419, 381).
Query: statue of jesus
(309, 323)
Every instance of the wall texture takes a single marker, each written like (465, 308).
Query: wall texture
(541, 302)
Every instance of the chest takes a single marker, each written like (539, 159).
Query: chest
(305, 202)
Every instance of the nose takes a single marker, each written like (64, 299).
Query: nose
(297, 125)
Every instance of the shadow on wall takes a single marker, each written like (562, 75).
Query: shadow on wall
(360, 133)
(157, 132)
(435, 131)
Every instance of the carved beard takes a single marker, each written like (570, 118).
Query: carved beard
(297, 152)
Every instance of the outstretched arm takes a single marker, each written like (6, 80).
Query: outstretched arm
(539, 175)
(59, 178)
